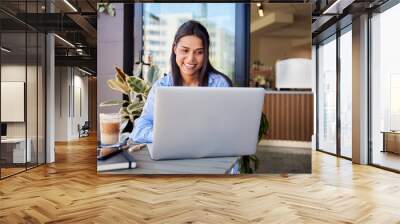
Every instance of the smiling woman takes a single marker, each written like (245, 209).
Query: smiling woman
(190, 66)
(190, 63)
(161, 21)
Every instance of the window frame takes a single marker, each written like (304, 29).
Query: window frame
(241, 74)
(333, 33)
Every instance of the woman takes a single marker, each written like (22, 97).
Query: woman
(190, 66)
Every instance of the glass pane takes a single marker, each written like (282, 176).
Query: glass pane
(327, 96)
(31, 98)
(346, 94)
(13, 85)
(41, 98)
(385, 86)
(161, 21)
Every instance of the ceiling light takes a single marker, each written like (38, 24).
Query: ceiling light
(70, 5)
(65, 41)
(84, 71)
(5, 50)
(261, 12)
(258, 4)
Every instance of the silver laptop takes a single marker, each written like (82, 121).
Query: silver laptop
(196, 122)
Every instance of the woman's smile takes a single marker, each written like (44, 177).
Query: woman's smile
(189, 53)
(189, 67)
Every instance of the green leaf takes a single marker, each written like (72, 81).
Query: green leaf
(124, 112)
(137, 84)
(264, 126)
(153, 73)
(135, 107)
(110, 10)
(118, 86)
(112, 103)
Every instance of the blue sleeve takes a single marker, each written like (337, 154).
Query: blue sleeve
(221, 82)
(143, 126)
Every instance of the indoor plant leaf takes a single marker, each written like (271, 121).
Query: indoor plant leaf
(112, 103)
(153, 73)
(137, 84)
(264, 126)
(118, 86)
(121, 74)
(134, 107)
(123, 112)
(110, 10)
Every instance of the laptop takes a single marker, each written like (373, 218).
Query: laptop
(197, 122)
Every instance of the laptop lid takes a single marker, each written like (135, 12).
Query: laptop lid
(196, 122)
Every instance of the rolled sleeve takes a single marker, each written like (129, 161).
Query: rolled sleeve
(143, 126)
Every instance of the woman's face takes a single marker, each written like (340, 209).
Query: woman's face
(189, 53)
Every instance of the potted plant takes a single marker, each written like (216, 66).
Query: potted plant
(136, 90)
(249, 164)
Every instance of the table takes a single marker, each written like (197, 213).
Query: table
(391, 141)
(145, 165)
(13, 150)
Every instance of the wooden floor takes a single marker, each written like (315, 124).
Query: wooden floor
(387, 159)
(70, 191)
(10, 171)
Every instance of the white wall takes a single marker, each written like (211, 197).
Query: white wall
(12, 73)
(70, 84)
(276, 48)
(33, 126)
(61, 103)
(109, 54)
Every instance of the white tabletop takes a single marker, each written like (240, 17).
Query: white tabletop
(13, 140)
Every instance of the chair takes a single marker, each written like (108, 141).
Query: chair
(84, 130)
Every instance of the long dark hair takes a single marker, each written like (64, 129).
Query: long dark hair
(194, 28)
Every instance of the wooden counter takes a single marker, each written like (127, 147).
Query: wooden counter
(290, 114)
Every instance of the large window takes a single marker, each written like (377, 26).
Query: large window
(161, 21)
(385, 88)
(335, 93)
(327, 95)
(346, 92)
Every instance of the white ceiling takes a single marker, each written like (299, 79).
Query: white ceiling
(299, 28)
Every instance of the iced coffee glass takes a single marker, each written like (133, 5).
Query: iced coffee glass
(109, 128)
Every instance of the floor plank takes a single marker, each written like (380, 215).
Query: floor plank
(70, 191)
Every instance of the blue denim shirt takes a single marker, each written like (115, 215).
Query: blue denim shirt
(143, 128)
